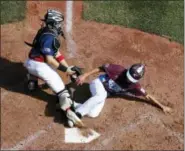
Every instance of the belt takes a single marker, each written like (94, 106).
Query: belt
(37, 58)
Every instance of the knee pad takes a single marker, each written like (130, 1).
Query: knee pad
(65, 100)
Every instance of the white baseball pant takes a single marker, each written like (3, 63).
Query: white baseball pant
(46, 73)
(94, 105)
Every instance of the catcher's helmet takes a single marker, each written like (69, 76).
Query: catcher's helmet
(135, 72)
(54, 19)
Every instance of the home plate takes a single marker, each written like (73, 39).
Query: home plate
(74, 135)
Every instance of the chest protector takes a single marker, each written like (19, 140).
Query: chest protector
(44, 31)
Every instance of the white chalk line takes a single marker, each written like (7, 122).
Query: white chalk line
(130, 127)
(69, 16)
(71, 45)
(27, 141)
(22, 144)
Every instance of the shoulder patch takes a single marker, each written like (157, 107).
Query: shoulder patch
(48, 50)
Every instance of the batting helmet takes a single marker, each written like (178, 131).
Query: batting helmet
(135, 72)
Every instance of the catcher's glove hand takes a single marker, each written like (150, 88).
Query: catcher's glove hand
(78, 72)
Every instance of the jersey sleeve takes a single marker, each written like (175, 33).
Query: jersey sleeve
(139, 91)
(135, 91)
(102, 68)
(47, 45)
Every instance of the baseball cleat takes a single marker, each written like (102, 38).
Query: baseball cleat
(32, 82)
(74, 118)
(32, 85)
(70, 123)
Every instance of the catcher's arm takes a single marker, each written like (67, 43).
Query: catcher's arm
(51, 61)
(163, 107)
(60, 58)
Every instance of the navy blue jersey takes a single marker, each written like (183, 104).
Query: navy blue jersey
(44, 44)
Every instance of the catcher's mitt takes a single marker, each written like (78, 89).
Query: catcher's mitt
(78, 72)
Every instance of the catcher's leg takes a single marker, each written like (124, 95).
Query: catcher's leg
(74, 106)
(66, 104)
(31, 82)
(53, 80)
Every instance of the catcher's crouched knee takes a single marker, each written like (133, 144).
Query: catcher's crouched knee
(64, 100)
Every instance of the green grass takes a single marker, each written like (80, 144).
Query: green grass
(161, 17)
(12, 11)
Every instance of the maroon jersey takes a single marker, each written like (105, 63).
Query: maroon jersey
(116, 83)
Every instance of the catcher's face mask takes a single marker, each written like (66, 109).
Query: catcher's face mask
(55, 19)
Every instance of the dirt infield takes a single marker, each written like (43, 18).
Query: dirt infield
(29, 121)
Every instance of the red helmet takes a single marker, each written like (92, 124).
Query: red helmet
(135, 72)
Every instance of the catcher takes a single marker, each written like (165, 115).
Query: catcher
(45, 58)
(116, 81)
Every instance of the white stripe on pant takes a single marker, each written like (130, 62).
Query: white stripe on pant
(94, 105)
(46, 73)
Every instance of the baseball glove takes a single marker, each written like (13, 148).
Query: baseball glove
(78, 72)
